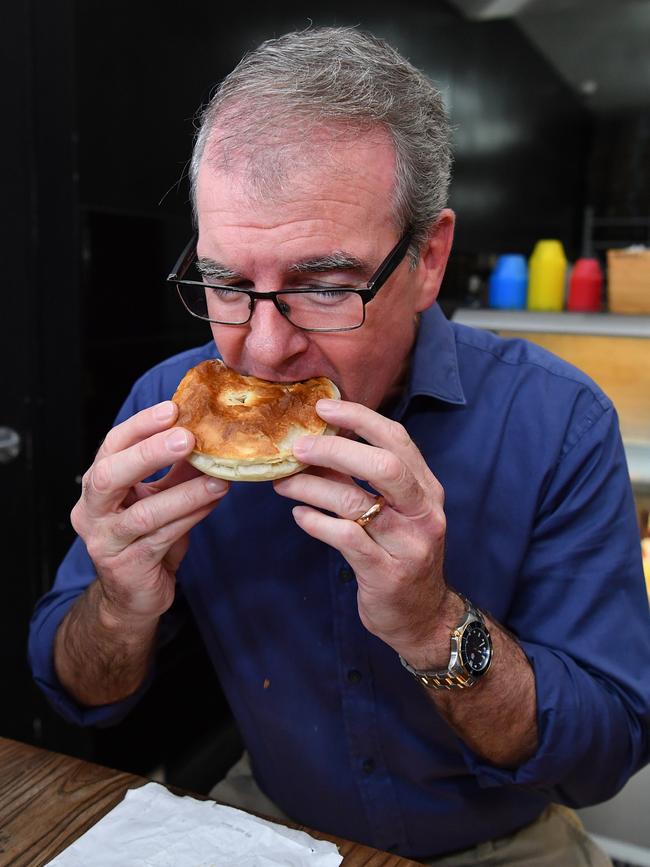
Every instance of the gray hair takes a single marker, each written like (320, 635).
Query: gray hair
(339, 77)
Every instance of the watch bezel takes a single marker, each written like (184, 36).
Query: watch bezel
(463, 654)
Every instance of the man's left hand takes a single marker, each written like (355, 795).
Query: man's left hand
(398, 556)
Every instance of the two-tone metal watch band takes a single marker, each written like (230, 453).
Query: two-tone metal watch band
(440, 679)
(456, 675)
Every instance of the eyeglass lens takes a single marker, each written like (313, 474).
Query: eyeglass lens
(324, 309)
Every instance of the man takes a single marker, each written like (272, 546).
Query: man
(329, 613)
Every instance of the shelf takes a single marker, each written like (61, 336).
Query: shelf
(611, 324)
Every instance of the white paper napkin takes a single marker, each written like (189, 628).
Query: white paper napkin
(153, 828)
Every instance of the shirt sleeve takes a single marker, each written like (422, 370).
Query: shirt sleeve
(582, 619)
(73, 577)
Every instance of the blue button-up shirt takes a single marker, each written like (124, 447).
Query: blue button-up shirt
(542, 533)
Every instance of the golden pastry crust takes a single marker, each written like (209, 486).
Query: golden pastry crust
(245, 426)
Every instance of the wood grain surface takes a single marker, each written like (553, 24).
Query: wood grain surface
(47, 800)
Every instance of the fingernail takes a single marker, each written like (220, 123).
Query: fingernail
(298, 512)
(303, 446)
(216, 486)
(176, 440)
(164, 411)
(324, 404)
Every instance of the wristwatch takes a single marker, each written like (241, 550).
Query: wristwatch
(470, 658)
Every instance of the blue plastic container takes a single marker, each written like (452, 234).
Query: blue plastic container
(508, 283)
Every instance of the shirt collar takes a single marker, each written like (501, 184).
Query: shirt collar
(434, 368)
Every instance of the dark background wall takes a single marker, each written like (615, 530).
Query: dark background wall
(618, 180)
(520, 143)
(102, 97)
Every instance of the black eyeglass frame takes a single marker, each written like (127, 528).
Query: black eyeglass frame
(372, 287)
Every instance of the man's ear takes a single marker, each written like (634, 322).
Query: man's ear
(433, 258)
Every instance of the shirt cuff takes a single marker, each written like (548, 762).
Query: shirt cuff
(562, 732)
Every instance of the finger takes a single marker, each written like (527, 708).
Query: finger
(371, 563)
(152, 549)
(181, 471)
(385, 471)
(110, 477)
(349, 538)
(378, 431)
(367, 424)
(338, 495)
(140, 426)
(389, 529)
(176, 553)
(147, 516)
(325, 472)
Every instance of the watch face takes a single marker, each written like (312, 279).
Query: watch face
(476, 648)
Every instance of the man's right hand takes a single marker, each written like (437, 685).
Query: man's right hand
(136, 534)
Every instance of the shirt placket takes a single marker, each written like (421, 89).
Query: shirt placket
(360, 713)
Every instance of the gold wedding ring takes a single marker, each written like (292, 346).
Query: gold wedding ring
(371, 514)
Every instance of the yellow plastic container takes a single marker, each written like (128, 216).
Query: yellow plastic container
(547, 276)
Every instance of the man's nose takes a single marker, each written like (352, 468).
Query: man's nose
(272, 339)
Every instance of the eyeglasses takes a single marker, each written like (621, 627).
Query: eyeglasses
(339, 308)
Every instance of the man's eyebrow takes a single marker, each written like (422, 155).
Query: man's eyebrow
(337, 261)
(215, 270)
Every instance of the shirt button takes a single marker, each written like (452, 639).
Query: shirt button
(368, 766)
(346, 575)
(354, 676)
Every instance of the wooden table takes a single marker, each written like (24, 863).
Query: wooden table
(47, 800)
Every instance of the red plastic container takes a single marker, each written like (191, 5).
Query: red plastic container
(586, 286)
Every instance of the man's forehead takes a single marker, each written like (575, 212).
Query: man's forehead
(281, 163)
(231, 140)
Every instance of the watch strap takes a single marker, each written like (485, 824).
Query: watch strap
(455, 676)
(440, 679)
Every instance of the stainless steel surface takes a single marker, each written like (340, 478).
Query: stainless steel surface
(612, 324)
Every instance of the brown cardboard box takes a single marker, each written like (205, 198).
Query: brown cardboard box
(628, 285)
